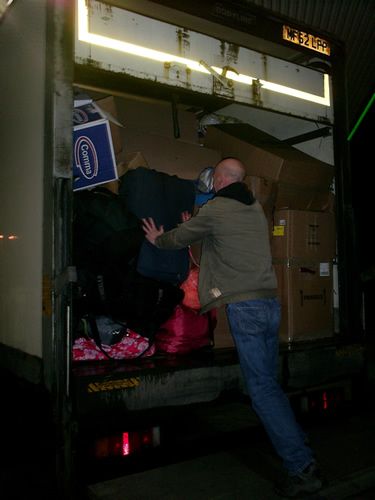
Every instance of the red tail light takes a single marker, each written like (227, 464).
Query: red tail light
(126, 443)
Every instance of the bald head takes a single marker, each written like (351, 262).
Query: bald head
(227, 171)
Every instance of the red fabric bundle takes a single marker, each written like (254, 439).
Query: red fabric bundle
(185, 331)
(190, 288)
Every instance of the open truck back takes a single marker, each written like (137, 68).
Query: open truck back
(188, 82)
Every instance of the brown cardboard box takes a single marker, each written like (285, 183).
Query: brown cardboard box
(130, 161)
(297, 197)
(265, 156)
(263, 189)
(108, 105)
(172, 156)
(222, 336)
(303, 235)
(302, 180)
(306, 295)
(156, 117)
(125, 162)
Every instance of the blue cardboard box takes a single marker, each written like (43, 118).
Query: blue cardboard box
(86, 113)
(94, 160)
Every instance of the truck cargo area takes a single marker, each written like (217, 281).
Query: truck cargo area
(122, 95)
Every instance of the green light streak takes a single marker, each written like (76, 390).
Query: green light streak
(361, 117)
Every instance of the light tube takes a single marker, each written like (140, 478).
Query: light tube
(84, 35)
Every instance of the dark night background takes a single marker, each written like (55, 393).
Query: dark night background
(361, 149)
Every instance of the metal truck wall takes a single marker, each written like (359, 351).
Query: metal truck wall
(22, 39)
(125, 42)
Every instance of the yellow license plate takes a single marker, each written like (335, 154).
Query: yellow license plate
(306, 40)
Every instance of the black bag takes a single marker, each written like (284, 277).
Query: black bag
(105, 330)
(106, 247)
(106, 242)
(109, 335)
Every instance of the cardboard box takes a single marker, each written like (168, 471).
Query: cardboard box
(301, 179)
(263, 189)
(148, 116)
(93, 156)
(297, 197)
(109, 109)
(133, 160)
(306, 296)
(222, 336)
(303, 235)
(125, 162)
(171, 156)
(96, 141)
(267, 157)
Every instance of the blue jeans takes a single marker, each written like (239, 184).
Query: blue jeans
(254, 326)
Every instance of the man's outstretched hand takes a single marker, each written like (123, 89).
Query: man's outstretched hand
(185, 216)
(150, 229)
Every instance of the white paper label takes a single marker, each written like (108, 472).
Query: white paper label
(324, 269)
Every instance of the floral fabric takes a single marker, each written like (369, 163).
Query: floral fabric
(132, 345)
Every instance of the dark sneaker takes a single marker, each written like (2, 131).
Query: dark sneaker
(303, 483)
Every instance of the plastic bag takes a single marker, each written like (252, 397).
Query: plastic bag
(186, 331)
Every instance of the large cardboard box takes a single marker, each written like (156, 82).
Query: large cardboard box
(125, 162)
(302, 181)
(222, 336)
(157, 117)
(171, 156)
(295, 196)
(303, 235)
(306, 296)
(108, 107)
(263, 189)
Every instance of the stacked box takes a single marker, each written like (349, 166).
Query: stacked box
(301, 181)
(304, 235)
(303, 248)
(306, 296)
(295, 192)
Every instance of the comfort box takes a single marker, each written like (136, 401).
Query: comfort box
(306, 296)
(303, 235)
(93, 154)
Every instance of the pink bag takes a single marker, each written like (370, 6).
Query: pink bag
(185, 331)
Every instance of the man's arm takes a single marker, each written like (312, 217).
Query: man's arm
(191, 231)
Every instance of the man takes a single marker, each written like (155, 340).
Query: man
(236, 271)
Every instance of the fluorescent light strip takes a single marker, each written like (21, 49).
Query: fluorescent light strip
(102, 41)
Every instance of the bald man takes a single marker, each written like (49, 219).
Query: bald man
(236, 272)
